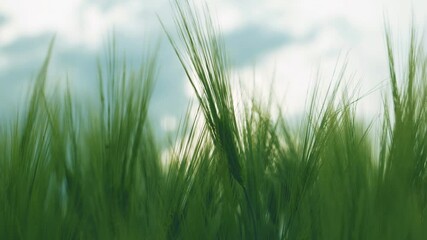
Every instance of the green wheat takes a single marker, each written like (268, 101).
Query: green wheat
(71, 171)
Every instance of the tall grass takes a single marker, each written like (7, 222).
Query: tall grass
(69, 171)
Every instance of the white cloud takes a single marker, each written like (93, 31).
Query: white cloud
(340, 26)
(33, 17)
(169, 123)
(322, 28)
(74, 21)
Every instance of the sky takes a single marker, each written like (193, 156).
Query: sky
(291, 44)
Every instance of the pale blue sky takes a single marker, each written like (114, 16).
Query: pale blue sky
(291, 38)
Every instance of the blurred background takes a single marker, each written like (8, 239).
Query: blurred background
(288, 43)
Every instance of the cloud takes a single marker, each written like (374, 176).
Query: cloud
(292, 36)
(22, 59)
(246, 44)
(106, 5)
(26, 44)
(3, 19)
